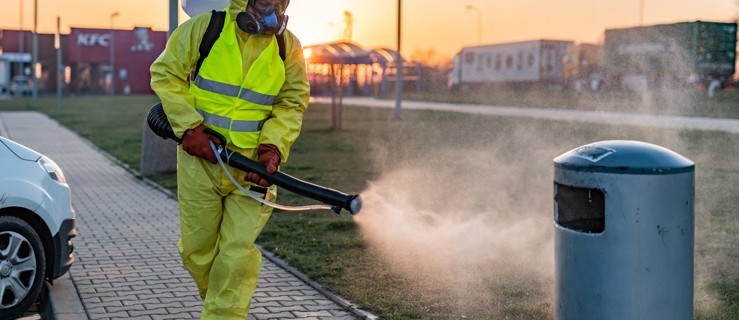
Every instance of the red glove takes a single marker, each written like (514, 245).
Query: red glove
(269, 156)
(195, 142)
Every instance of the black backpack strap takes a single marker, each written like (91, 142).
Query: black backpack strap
(281, 45)
(212, 33)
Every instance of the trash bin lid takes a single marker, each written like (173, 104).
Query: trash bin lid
(625, 157)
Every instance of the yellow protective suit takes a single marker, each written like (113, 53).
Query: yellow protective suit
(218, 223)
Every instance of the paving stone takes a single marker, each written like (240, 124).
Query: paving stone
(282, 315)
(163, 305)
(349, 317)
(95, 305)
(149, 312)
(302, 314)
(288, 309)
(305, 303)
(339, 313)
(319, 307)
(127, 308)
(107, 315)
(171, 316)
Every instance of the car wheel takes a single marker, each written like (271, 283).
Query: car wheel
(22, 266)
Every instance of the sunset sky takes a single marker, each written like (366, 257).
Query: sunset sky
(442, 25)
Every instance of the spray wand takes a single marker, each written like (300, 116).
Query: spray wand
(335, 200)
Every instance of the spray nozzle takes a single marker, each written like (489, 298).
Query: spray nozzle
(355, 205)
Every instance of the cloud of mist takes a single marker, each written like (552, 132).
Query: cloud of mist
(464, 225)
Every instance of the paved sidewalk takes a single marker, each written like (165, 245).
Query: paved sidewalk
(619, 118)
(127, 263)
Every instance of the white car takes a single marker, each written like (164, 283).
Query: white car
(21, 86)
(36, 226)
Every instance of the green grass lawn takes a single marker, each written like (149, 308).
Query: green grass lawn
(458, 208)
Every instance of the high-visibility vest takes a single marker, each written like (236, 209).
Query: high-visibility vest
(231, 103)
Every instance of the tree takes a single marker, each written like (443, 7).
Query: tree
(430, 57)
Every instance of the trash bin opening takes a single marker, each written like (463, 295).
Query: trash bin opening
(579, 209)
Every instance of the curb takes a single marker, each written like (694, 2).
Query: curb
(64, 300)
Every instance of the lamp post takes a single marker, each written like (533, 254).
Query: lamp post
(479, 22)
(34, 95)
(173, 18)
(20, 42)
(398, 71)
(112, 54)
(59, 68)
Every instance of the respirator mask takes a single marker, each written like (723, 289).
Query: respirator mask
(267, 21)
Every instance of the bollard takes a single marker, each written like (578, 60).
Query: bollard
(624, 232)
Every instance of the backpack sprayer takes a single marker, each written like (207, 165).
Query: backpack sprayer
(335, 200)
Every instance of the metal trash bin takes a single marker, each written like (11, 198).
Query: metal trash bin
(624, 232)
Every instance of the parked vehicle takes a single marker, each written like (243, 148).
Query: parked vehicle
(21, 86)
(581, 67)
(527, 61)
(4, 77)
(37, 224)
(670, 54)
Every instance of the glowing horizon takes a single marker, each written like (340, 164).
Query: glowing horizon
(445, 27)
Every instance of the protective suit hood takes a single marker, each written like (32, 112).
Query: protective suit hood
(235, 7)
(196, 7)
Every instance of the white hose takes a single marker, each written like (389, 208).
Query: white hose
(254, 196)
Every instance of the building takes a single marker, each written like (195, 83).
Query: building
(87, 59)
(87, 56)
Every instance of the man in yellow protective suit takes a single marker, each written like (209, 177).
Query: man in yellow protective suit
(245, 91)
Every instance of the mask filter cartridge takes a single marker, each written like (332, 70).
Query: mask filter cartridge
(270, 22)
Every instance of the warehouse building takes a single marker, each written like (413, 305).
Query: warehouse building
(94, 61)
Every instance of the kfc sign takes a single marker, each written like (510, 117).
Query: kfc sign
(93, 39)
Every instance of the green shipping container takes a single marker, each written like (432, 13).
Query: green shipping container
(705, 49)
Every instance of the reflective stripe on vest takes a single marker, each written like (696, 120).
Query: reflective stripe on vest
(236, 102)
(233, 91)
(225, 123)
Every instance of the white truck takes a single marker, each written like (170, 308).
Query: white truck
(515, 62)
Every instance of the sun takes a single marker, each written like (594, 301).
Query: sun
(314, 24)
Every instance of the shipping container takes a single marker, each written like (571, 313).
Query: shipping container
(670, 54)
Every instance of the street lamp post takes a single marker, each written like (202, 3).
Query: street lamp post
(398, 70)
(173, 18)
(479, 22)
(20, 42)
(34, 94)
(59, 68)
(112, 54)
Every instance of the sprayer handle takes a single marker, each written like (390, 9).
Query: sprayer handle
(351, 203)
(221, 139)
